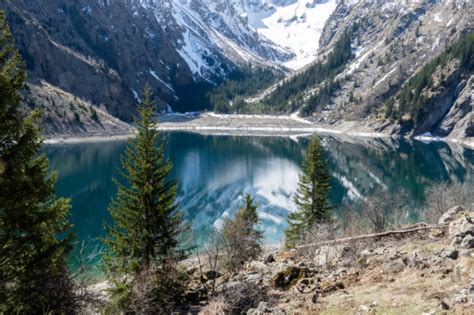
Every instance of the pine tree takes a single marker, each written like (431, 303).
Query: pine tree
(144, 237)
(312, 195)
(241, 235)
(248, 212)
(34, 237)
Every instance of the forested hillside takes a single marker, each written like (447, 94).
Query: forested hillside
(440, 81)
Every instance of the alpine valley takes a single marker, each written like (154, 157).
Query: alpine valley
(393, 67)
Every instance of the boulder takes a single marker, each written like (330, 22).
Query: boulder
(254, 279)
(451, 253)
(451, 215)
(391, 253)
(331, 254)
(468, 242)
(436, 233)
(366, 253)
(461, 227)
(269, 259)
(287, 278)
(395, 266)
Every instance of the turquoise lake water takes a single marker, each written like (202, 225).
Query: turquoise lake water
(215, 171)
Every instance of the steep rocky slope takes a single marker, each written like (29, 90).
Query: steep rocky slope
(97, 51)
(104, 52)
(395, 40)
(417, 269)
(65, 115)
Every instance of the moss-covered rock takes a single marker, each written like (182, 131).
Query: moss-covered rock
(286, 279)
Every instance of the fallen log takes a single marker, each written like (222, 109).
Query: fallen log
(372, 236)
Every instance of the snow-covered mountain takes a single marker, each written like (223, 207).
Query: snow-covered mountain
(265, 32)
(109, 50)
(397, 45)
(294, 25)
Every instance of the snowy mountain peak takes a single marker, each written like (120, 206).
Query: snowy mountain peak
(297, 26)
(270, 32)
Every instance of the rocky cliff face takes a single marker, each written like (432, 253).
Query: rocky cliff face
(98, 51)
(398, 40)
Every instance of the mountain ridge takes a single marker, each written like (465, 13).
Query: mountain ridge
(185, 49)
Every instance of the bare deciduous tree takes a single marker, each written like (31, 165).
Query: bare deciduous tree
(443, 196)
(211, 252)
(382, 209)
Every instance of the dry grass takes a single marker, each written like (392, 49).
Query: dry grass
(410, 292)
(217, 306)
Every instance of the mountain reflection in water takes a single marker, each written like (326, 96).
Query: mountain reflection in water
(214, 171)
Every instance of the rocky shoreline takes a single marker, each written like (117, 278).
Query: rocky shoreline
(252, 125)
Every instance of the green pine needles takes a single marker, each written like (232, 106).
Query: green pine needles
(34, 230)
(143, 241)
(312, 195)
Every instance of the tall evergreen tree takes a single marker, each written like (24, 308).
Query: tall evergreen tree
(312, 195)
(34, 238)
(147, 224)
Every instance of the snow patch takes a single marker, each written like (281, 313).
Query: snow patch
(385, 77)
(298, 27)
(153, 73)
(427, 137)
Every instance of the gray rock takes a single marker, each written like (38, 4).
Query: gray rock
(391, 253)
(468, 242)
(450, 215)
(461, 227)
(325, 255)
(449, 253)
(269, 259)
(379, 251)
(364, 308)
(395, 266)
(254, 278)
